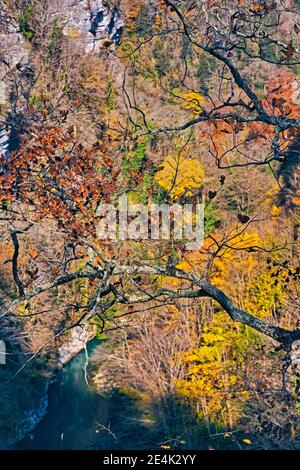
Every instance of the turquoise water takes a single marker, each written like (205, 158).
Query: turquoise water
(73, 412)
(80, 418)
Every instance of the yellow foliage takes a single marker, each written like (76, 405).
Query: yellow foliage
(247, 441)
(73, 33)
(233, 260)
(213, 377)
(193, 102)
(265, 293)
(257, 287)
(184, 266)
(180, 174)
(296, 201)
(23, 309)
(276, 211)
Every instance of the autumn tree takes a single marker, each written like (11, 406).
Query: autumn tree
(238, 118)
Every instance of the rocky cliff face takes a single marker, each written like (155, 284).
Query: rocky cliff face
(89, 22)
(92, 22)
(88, 25)
(77, 341)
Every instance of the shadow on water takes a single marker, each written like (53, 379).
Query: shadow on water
(80, 418)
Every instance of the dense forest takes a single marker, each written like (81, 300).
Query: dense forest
(176, 104)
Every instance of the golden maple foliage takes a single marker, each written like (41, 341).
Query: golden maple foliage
(180, 174)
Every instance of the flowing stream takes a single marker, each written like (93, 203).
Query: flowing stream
(80, 418)
(73, 412)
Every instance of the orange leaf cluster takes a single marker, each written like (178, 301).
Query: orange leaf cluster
(54, 176)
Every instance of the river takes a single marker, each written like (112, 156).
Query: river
(80, 418)
(73, 410)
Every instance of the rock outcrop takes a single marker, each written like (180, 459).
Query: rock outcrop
(89, 26)
(92, 23)
(77, 341)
